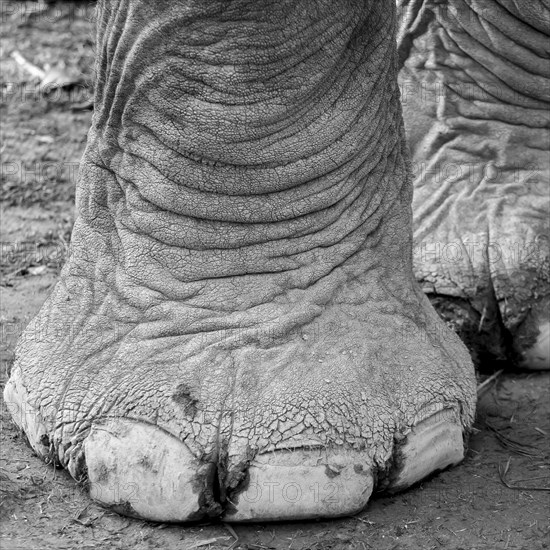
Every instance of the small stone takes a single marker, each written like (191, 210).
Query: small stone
(38, 270)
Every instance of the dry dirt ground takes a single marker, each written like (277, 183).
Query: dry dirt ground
(43, 137)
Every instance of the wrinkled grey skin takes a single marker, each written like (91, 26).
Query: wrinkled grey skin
(240, 294)
(475, 82)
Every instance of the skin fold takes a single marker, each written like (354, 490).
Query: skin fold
(238, 331)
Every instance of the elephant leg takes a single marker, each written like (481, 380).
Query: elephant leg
(238, 331)
(475, 88)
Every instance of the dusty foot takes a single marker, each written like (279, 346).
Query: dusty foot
(300, 417)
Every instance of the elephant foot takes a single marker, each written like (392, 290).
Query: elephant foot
(139, 470)
(493, 342)
(303, 419)
(237, 332)
(538, 356)
(481, 174)
(535, 332)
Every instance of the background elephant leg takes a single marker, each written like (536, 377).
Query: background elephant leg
(475, 90)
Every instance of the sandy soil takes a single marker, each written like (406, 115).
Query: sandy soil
(468, 507)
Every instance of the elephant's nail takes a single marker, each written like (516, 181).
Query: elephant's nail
(140, 470)
(300, 484)
(434, 444)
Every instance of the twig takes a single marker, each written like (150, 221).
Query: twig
(78, 514)
(503, 471)
(482, 318)
(511, 444)
(491, 378)
(233, 534)
(28, 66)
(531, 478)
(363, 520)
(206, 542)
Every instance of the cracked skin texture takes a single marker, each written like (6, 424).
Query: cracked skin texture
(240, 297)
(475, 84)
